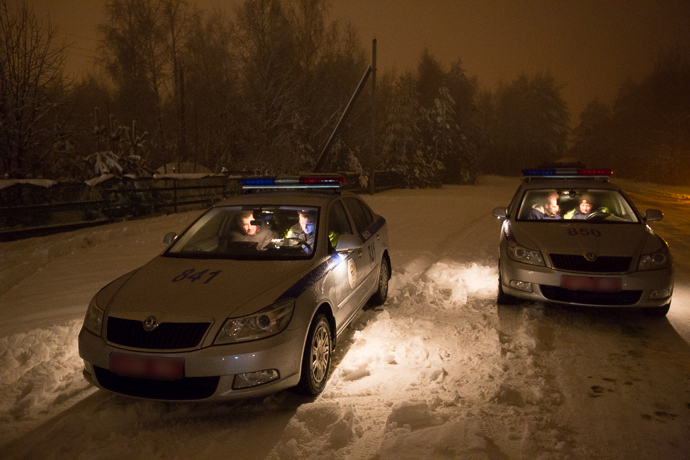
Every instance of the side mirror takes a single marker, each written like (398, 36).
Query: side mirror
(348, 243)
(169, 238)
(652, 215)
(500, 212)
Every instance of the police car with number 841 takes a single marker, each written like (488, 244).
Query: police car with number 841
(248, 300)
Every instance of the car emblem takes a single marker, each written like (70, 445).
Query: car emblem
(589, 256)
(150, 323)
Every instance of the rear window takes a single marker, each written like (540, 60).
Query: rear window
(592, 205)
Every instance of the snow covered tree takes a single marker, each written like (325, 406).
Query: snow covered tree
(651, 121)
(401, 128)
(531, 125)
(592, 140)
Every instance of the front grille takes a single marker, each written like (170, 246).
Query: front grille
(591, 297)
(166, 336)
(603, 264)
(183, 389)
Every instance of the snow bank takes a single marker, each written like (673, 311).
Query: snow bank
(39, 370)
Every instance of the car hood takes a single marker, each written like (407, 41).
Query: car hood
(623, 240)
(177, 289)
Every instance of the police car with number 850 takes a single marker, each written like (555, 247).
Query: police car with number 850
(570, 236)
(248, 300)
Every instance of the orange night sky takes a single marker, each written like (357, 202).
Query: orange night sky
(589, 46)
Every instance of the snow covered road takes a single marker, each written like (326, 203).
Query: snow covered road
(439, 371)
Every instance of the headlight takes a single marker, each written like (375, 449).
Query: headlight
(522, 254)
(93, 321)
(265, 323)
(655, 260)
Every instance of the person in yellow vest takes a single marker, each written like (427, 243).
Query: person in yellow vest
(304, 230)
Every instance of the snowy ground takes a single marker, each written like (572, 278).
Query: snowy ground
(438, 372)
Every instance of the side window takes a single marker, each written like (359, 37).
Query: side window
(338, 223)
(357, 213)
(367, 212)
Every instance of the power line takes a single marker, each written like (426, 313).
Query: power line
(84, 55)
(93, 54)
(81, 49)
(78, 36)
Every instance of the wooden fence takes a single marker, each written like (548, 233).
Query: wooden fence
(27, 209)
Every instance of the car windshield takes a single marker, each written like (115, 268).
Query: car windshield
(592, 205)
(262, 232)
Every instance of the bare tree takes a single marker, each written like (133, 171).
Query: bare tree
(32, 88)
(143, 46)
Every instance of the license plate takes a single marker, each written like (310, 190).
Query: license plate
(584, 283)
(146, 367)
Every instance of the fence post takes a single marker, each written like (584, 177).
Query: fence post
(175, 194)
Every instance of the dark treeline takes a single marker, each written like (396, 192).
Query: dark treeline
(646, 134)
(262, 89)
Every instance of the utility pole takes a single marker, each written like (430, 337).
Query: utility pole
(372, 160)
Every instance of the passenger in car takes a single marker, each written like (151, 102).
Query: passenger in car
(548, 211)
(246, 232)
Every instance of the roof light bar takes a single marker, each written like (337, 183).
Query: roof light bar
(257, 181)
(324, 181)
(566, 173)
(594, 172)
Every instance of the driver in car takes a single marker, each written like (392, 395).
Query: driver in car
(304, 230)
(584, 209)
(246, 231)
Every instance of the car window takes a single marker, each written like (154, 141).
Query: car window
(251, 232)
(593, 205)
(367, 212)
(338, 223)
(362, 220)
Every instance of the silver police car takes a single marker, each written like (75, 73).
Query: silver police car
(248, 300)
(570, 236)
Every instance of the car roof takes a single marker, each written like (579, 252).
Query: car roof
(538, 184)
(282, 197)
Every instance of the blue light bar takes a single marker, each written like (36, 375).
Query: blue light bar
(538, 172)
(257, 181)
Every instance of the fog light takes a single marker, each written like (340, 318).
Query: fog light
(521, 285)
(251, 379)
(659, 294)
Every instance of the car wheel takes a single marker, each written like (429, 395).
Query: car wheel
(317, 357)
(381, 294)
(503, 298)
(658, 312)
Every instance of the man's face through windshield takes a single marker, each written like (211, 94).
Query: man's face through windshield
(307, 223)
(551, 206)
(247, 226)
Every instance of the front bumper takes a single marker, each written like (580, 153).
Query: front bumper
(208, 372)
(546, 286)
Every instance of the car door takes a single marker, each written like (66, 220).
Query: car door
(345, 272)
(365, 258)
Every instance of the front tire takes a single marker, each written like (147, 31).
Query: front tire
(316, 361)
(381, 294)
